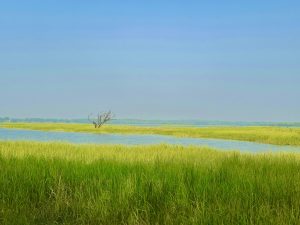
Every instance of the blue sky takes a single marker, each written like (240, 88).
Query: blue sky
(211, 60)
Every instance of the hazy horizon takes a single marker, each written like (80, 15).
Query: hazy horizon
(231, 61)
(162, 120)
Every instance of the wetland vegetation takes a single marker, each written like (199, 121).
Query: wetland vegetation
(56, 183)
(267, 135)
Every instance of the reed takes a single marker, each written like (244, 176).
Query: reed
(58, 183)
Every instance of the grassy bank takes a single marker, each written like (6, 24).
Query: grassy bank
(53, 183)
(268, 135)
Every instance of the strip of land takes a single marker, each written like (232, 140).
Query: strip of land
(267, 135)
(55, 183)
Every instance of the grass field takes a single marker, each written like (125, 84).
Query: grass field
(268, 135)
(57, 183)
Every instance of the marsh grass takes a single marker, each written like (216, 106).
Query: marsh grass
(268, 135)
(57, 183)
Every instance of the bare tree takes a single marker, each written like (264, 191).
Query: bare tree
(100, 119)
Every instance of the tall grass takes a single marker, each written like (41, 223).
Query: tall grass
(56, 183)
(269, 135)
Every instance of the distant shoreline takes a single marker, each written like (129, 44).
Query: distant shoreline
(259, 134)
(140, 122)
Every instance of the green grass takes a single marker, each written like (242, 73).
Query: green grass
(57, 183)
(268, 135)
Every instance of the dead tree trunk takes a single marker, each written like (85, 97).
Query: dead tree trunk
(100, 119)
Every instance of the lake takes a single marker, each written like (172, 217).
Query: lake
(87, 138)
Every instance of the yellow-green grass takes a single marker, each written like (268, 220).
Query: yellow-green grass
(58, 183)
(268, 135)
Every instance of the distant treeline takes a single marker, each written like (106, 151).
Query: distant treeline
(42, 120)
(137, 122)
(4, 119)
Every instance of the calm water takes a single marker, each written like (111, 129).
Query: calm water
(72, 137)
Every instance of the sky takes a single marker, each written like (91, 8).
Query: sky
(206, 60)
